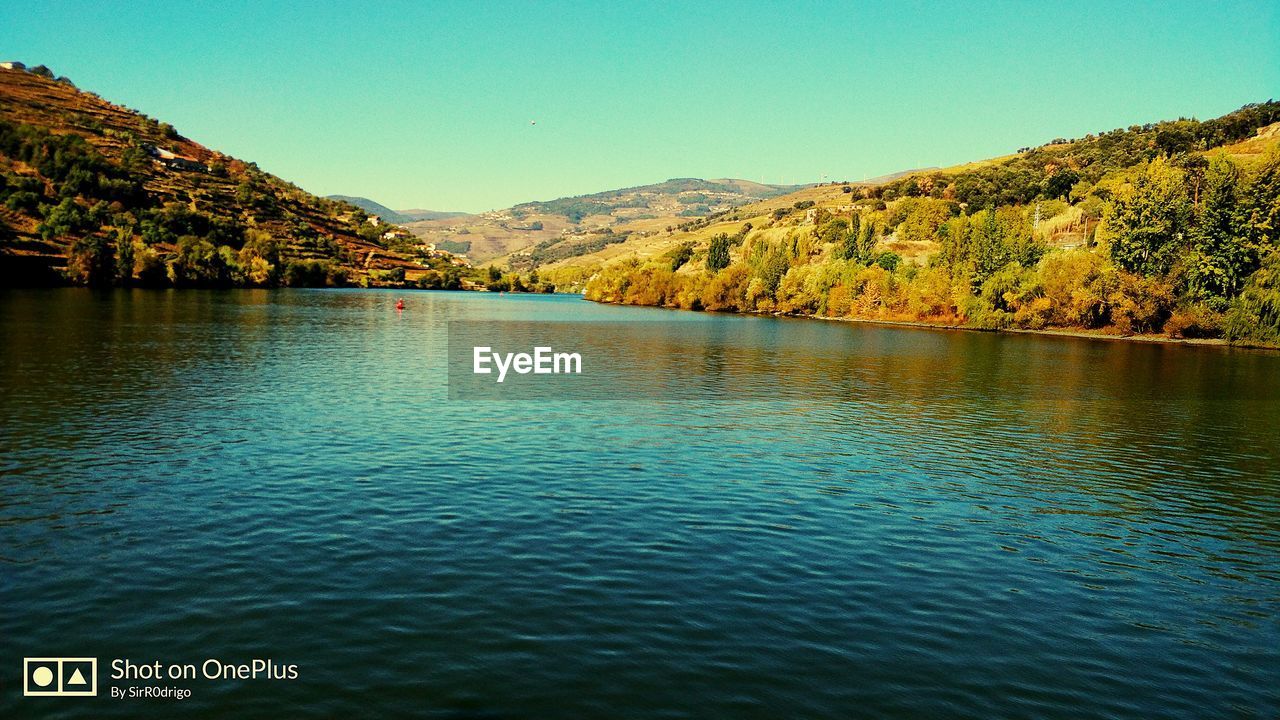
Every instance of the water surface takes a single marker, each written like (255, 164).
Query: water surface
(952, 525)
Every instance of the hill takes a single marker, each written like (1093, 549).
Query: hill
(535, 233)
(1169, 229)
(383, 212)
(93, 192)
(416, 214)
(398, 217)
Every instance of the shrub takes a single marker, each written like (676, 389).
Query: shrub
(198, 262)
(888, 260)
(1140, 304)
(311, 273)
(1195, 321)
(1072, 281)
(92, 261)
(678, 256)
(727, 290)
(148, 268)
(931, 295)
(655, 286)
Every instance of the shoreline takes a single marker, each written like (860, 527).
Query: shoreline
(1069, 333)
(1079, 334)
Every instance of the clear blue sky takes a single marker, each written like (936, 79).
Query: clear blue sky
(428, 104)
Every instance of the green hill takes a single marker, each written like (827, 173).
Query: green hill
(1169, 229)
(398, 217)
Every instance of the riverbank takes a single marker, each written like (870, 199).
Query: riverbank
(1080, 333)
(1059, 332)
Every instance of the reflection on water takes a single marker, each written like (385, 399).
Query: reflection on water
(948, 524)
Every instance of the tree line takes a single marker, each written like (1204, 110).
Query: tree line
(1164, 238)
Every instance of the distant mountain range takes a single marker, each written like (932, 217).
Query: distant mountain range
(545, 230)
(398, 217)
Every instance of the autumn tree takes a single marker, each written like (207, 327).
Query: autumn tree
(1148, 218)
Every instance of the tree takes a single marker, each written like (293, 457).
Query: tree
(1221, 256)
(848, 247)
(1147, 219)
(1255, 315)
(124, 259)
(149, 268)
(64, 219)
(833, 230)
(922, 221)
(135, 160)
(198, 262)
(718, 253)
(679, 255)
(865, 248)
(977, 246)
(92, 261)
(1059, 184)
(259, 258)
(1263, 204)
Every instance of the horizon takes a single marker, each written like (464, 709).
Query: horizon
(478, 109)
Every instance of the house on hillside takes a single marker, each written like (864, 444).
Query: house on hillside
(13, 65)
(175, 161)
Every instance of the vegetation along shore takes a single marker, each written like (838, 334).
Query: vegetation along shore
(1170, 230)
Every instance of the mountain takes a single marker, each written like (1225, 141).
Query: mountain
(415, 214)
(373, 208)
(97, 193)
(399, 217)
(537, 232)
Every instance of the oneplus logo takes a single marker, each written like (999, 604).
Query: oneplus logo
(60, 676)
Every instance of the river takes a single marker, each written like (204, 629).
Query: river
(927, 524)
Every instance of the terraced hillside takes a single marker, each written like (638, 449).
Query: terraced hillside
(536, 233)
(94, 192)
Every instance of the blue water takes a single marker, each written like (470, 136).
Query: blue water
(968, 526)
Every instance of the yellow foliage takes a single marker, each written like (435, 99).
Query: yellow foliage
(727, 290)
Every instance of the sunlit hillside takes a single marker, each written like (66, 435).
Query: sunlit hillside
(1167, 228)
(97, 193)
(544, 232)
